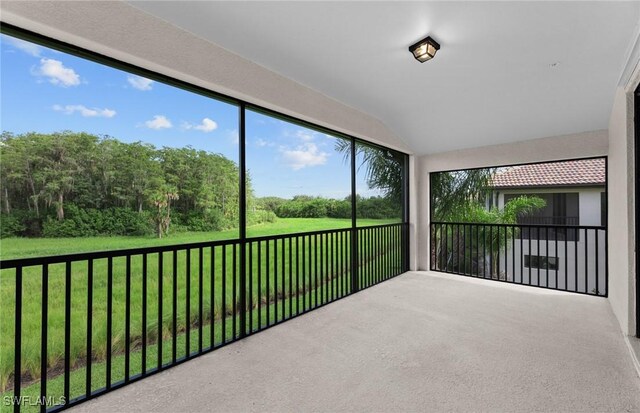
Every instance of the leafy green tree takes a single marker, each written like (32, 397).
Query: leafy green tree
(161, 199)
(64, 158)
(493, 242)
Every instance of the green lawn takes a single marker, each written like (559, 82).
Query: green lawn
(38, 247)
(272, 292)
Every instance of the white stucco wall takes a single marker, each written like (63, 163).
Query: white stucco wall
(580, 145)
(589, 204)
(621, 208)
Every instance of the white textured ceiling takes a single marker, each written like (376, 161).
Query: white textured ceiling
(506, 71)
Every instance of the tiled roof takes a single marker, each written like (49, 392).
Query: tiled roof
(582, 172)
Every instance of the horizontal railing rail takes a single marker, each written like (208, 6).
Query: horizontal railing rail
(80, 325)
(569, 258)
(520, 225)
(554, 220)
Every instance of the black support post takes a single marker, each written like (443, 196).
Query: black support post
(243, 221)
(405, 214)
(354, 223)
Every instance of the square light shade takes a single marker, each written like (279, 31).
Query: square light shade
(425, 49)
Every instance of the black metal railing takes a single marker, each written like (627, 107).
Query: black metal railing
(554, 231)
(568, 258)
(84, 324)
(555, 220)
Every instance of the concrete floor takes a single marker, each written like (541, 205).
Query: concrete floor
(421, 341)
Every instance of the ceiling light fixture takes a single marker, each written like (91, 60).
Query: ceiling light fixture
(425, 49)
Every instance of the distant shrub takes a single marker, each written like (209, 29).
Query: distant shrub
(80, 222)
(317, 207)
(260, 216)
(204, 221)
(11, 226)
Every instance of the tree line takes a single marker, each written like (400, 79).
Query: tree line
(304, 206)
(72, 184)
(58, 184)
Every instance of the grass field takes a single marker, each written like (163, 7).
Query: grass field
(38, 247)
(216, 301)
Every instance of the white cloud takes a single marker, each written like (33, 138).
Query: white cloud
(27, 47)
(85, 111)
(207, 125)
(158, 122)
(304, 156)
(261, 143)
(305, 136)
(57, 73)
(139, 82)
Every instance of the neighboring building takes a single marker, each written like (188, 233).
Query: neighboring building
(575, 195)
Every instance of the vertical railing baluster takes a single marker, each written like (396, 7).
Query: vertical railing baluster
(44, 324)
(597, 264)
(267, 270)
(342, 271)
(379, 255)
(17, 360)
(498, 248)
(546, 253)
(491, 263)
(464, 249)
(322, 271)
(392, 251)
(369, 254)
(530, 257)
(187, 318)
(67, 332)
(484, 253)
(458, 249)
(160, 318)
(87, 391)
(249, 245)
(298, 275)
(127, 319)
(477, 228)
(586, 261)
(212, 298)
(283, 273)
(521, 255)
(575, 244)
(304, 274)
(555, 234)
(144, 314)
(234, 291)
(446, 247)
(333, 270)
(174, 329)
(200, 297)
(506, 254)
(224, 293)
(284, 283)
(315, 272)
(566, 259)
(290, 277)
(259, 264)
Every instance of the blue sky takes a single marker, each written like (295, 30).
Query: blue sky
(45, 91)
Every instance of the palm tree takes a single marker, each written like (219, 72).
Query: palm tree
(484, 244)
(383, 168)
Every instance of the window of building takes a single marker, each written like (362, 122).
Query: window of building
(540, 261)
